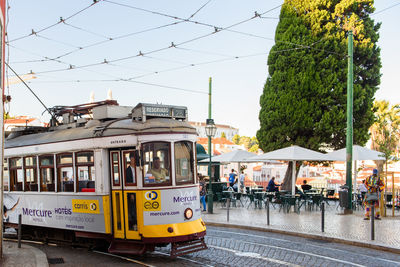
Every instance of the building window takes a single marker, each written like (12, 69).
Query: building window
(30, 168)
(85, 171)
(65, 173)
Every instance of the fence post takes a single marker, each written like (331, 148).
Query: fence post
(19, 230)
(228, 203)
(267, 210)
(372, 216)
(323, 216)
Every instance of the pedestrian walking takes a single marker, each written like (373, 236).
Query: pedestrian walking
(232, 178)
(203, 192)
(374, 186)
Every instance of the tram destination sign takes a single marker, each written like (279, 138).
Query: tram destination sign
(163, 111)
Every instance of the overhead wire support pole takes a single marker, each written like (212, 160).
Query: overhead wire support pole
(210, 199)
(51, 114)
(349, 131)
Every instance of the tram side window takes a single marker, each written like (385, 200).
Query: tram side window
(16, 174)
(65, 173)
(157, 163)
(85, 171)
(184, 162)
(129, 167)
(115, 168)
(47, 173)
(30, 169)
(6, 175)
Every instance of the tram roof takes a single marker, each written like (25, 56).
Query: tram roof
(96, 128)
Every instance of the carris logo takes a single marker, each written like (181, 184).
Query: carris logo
(151, 195)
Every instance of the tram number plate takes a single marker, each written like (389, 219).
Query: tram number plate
(152, 200)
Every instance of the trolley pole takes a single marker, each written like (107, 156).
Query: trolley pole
(349, 132)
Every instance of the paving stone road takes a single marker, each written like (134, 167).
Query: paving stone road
(238, 247)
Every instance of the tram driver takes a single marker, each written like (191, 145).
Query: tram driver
(160, 174)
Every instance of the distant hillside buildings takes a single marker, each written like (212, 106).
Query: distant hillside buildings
(221, 128)
(21, 121)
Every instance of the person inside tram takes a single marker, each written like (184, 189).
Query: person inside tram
(130, 171)
(160, 174)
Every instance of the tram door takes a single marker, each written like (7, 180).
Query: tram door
(124, 196)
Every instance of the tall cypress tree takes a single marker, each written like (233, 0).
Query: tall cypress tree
(305, 95)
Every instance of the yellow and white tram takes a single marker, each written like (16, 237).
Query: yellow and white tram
(107, 172)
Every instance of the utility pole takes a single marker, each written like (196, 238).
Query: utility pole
(3, 8)
(349, 132)
(210, 192)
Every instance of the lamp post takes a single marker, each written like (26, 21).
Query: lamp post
(210, 132)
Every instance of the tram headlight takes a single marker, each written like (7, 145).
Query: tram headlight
(188, 213)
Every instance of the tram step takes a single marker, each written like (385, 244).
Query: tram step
(186, 247)
(127, 247)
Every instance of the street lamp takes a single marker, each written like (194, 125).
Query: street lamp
(210, 132)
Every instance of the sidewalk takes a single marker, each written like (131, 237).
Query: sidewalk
(24, 256)
(350, 229)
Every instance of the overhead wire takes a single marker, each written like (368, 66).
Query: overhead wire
(159, 49)
(87, 31)
(121, 36)
(176, 46)
(58, 22)
(198, 10)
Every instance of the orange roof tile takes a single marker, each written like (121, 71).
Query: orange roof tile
(19, 120)
(257, 168)
(216, 141)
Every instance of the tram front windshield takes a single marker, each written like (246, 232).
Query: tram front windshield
(157, 167)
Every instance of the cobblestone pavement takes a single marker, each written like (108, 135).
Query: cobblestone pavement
(346, 227)
(238, 247)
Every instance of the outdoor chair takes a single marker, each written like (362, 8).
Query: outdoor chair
(316, 200)
(388, 199)
(220, 199)
(238, 198)
(227, 196)
(329, 195)
(259, 200)
(270, 197)
(306, 201)
(287, 203)
(251, 198)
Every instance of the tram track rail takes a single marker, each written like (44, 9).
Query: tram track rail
(126, 258)
(210, 235)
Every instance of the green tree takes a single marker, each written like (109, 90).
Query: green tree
(245, 141)
(304, 97)
(254, 148)
(236, 139)
(385, 132)
(223, 135)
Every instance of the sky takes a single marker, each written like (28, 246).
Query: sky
(158, 51)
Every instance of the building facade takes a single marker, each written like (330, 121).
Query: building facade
(221, 128)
